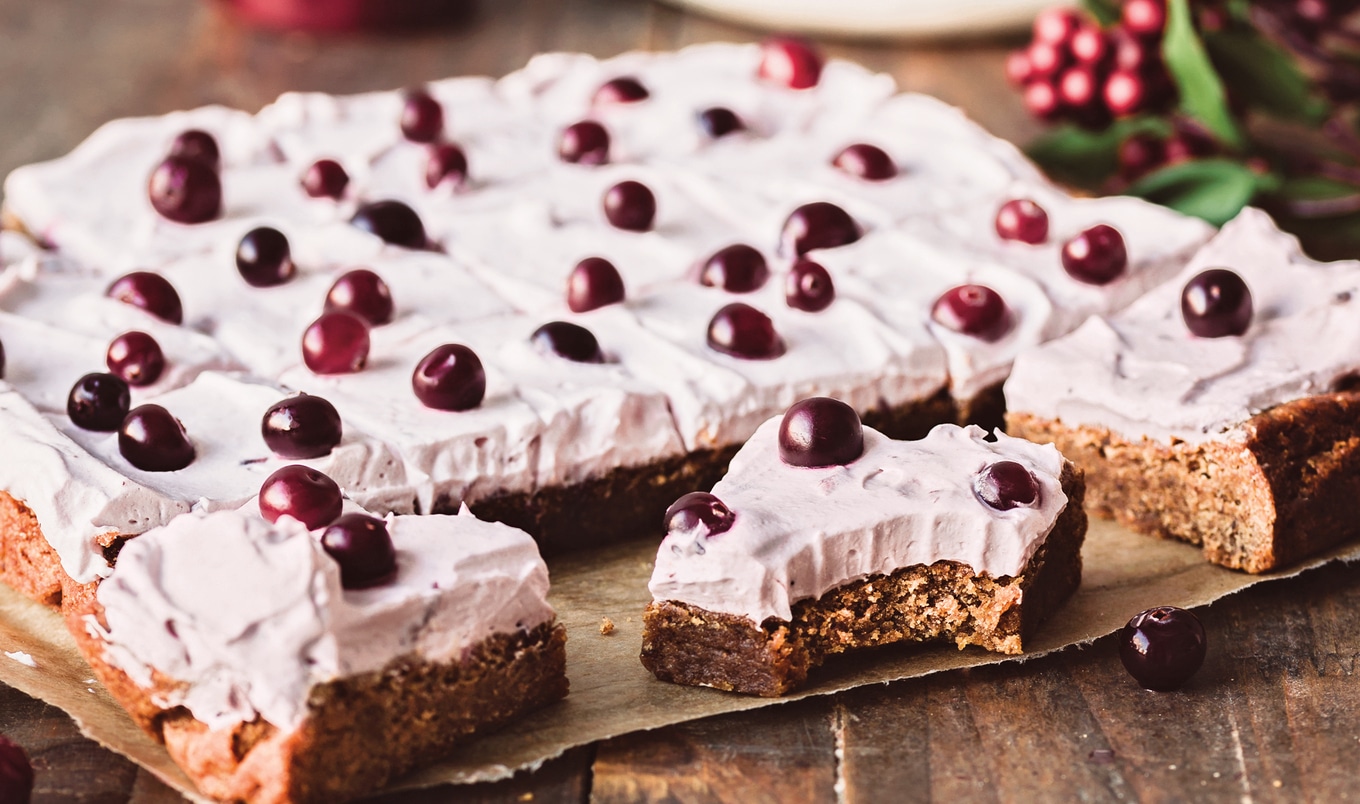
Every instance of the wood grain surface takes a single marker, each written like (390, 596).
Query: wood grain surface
(1273, 716)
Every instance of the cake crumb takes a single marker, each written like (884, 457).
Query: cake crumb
(606, 626)
(1277, 783)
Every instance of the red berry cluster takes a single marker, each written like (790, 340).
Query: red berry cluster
(1144, 152)
(1076, 70)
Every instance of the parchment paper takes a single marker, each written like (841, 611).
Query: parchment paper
(611, 693)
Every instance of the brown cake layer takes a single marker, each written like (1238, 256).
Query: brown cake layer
(1283, 487)
(360, 732)
(945, 601)
(27, 562)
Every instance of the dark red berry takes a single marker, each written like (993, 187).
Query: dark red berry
(185, 191)
(1097, 256)
(2, 361)
(392, 221)
(325, 179)
(1046, 59)
(336, 343)
(621, 90)
(1023, 220)
(593, 283)
(1139, 154)
(720, 121)
(1056, 25)
(363, 293)
(868, 162)
(820, 432)
(1163, 647)
(1078, 87)
(301, 427)
(790, 62)
(450, 378)
(303, 493)
(738, 268)
(154, 441)
(1089, 44)
(743, 331)
(1130, 52)
(975, 310)
(820, 224)
(136, 357)
(1041, 98)
(1125, 93)
(584, 143)
(1019, 70)
(197, 146)
(571, 341)
(363, 548)
(422, 118)
(447, 164)
(1189, 141)
(809, 287)
(1145, 17)
(151, 292)
(1216, 303)
(699, 509)
(16, 773)
(630, 205)
(98, 402)
(1005, 485)
(264, 258)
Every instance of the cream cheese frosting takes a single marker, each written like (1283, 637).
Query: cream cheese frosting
(800, 532)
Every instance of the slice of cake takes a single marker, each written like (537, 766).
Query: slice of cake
(1221, 408)
(279, 665)
(825, 536)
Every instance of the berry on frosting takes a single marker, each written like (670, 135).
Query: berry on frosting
(151, 292)
(820, 224)
(301, 426)
(741, 330)
(719, 121)
(336, 343)
(153, 440)
(363, 548)
(1023, 220)
(16, 773)
(975, 310)
(303, 493)
(790, 62)
(625, 89)
(1216, 303)
(98, 402)
(820, 431)
(738, 268)
(699, 509)
(446, 164)
(1005, 485)
(264, 258)
(362, 293)
(630, 205)
(450, 378)
(593, 283)
(326, 178)
(571, 341)
(809, 287)
(136, 357)
(1163, 647)
(422, 118)
(1097, 256)
(185, 190)
(393, 221)
(864, 161)
(584, 143)
(197, 146)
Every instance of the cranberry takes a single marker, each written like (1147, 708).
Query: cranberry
(16, 773)
(197, 146)
(98, 402)
(303, 493)
(301, 426)
(1162, 647)
(363, 293)
(151, 292)
(699, 509)
(1005, 485)
(336, 343)
(264, 258)
(621, 90)
(1041, 99)
(422, 118)
(1089, 44)
(1078, 87)
(1139, 154)
(1216, 303)
(446, 163)
(1056, 25)
(584, 143)
(820, 224)
(630, 205)
(820, 432)
(593, 283)
(1096, 256)
(450, 378)
(571, 341)
(868, 162)
(719, 121)
(2, 361)
(743, 331)
(1019, 70)
(1145, 17)
(809, 287)
(325, 179)
(1130, 52)
(1047, 59)
(1189, 141)
(791, 62)
(136, 358)
(392, 221)
(1125, 93)
(154, 441)
(1022, 219)
(738, 268)
(975, 310)
(185, 191)
(363, 548)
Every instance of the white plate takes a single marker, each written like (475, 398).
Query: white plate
(878, 18)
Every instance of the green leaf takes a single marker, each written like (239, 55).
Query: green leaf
(1084, 158)
(1107, 12)
(1212, 189)
(1312, 188)
(1265, 75)
(1201, 91)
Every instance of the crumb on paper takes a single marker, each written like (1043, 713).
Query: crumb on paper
(22, 658)
(606, 626)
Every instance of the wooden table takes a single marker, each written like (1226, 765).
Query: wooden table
(1273, 716)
